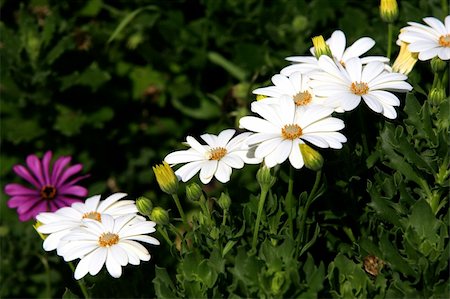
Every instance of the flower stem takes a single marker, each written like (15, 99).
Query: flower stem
(311, 196)
(164, 234)
(289, 203)
(80, 282)
(180, 209)
(389, 45)
(444, 5)
(262, 199)
(224, 219)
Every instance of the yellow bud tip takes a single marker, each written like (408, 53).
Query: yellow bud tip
(260, 97)
(321, 47)
(405, 60)
(166, 178)
(388, 10)
(36, 225)
(312, 158)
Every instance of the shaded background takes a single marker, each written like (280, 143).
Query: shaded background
(120, 84)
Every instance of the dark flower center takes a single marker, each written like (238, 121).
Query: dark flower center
(48, 192)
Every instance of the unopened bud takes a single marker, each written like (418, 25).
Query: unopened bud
(260, 97)
(388, 10)
(312, 158)
(436, 95)
(438, 65)
(224, 201)
(166, 178)
(160, 216)
(321, 47)
(193, 192)
(144, 205)
(405, 60)
(265, 177)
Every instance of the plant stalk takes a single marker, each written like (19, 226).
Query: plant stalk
(80, 282)
(262, 199)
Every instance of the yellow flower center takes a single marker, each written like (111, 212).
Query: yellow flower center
(108, 239)
(93, 215)
(217, 153)
(302, 98)
(359, 88)
(444, 40)
(48, 192)
(291, 132)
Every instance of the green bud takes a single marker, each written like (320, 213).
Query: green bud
(321, 47)
(437, 65)
(265, 178)
(436, 95)
(160, 216)
(193, 192)
(224, 201)
(166, 178)
(144, 205)
(312, 158)
(278, 281)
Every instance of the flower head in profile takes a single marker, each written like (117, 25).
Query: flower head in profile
(429, 41)
(337, 45)
(294, 86)
(52, 186)
(405, 60)
(282, 128)
(345, 87)
(113, 242)
(216, 158)
(58, 224)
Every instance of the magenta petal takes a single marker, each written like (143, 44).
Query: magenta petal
(17, 189)
(46, 165)
(58, 167)
(17, 201)
(64, 201)
(26, 206)
(34, 164)
(25, 174)
(32, 213)
(73, 190)
(67, 174)
(75, 180)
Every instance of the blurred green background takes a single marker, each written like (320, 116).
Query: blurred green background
(120, 84)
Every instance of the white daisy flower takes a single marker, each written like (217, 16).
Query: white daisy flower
(429, 41)
(284, 127)
(294, 86)
(346, 86)
(215, 159)
(337, 44)
(113, 242)
(60, 223)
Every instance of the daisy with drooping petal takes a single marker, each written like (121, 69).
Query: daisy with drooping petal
(215, 159)
(111, 242)
(294, 86)
(337, 44)
(346, 86)
(58, 224)
(429, 41)
(54, 186)
(284, 127)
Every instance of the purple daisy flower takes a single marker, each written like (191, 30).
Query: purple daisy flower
(54, 187)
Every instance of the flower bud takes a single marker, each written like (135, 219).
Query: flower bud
(436, 95)
(166, 178)
(405, 60)
(265, 178)
(193, 192)
(160, 216)
(260, 97)
(312, 158)
(36, 225)
(388, 10)
(224, 201)
(321, 47)
(277, 283)
(437, 65)
(144, 205)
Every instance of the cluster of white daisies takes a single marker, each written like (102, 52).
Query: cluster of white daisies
(98, 232)
(304, 95)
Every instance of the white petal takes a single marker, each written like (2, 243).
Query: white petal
(225, 136)
(372, 102)
(358, 48)
(260, 137)
(52, 240)
(295, 157)
(354, 69)
(283, 83)
(371, 70)
(113, 266)
(389, 112)
(232, 160)
(267, 147)
(386, 97)
(337, 43)
(428, 54)
(196, 145)
(133, 257)
(97, 260)
(223, 172)
(184, 156)
(211, 140)
(110, 200)
(283, 151)
(187, 171)
(91, 203)
(82, 268)
(316, 140)
(325, 125)
(137, 248)
(207, 171)
(120, 255)
(143, 238)
(436, 24)
(256, 124)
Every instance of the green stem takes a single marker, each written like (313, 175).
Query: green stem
(262, 199)
(224, 219)
(389, 45)
(47, 275)
(180, 209)
(308, 202)
(444, 4)
(164, 234)
(289, 202)
(80, 282)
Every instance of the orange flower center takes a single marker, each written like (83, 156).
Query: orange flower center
(108, 239)
(48, 192)
(217, 153)
(359, 88)
(444, 40)
(93, 215)
(291, 132)
(302, 98)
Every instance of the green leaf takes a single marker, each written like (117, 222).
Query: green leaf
(19, 130)
(69, 122)
(231, 68)
(392, 256)
(206, 110)
(69, 295)
(92, 8)
(92, 77)
(163, 284)
(423, 221)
